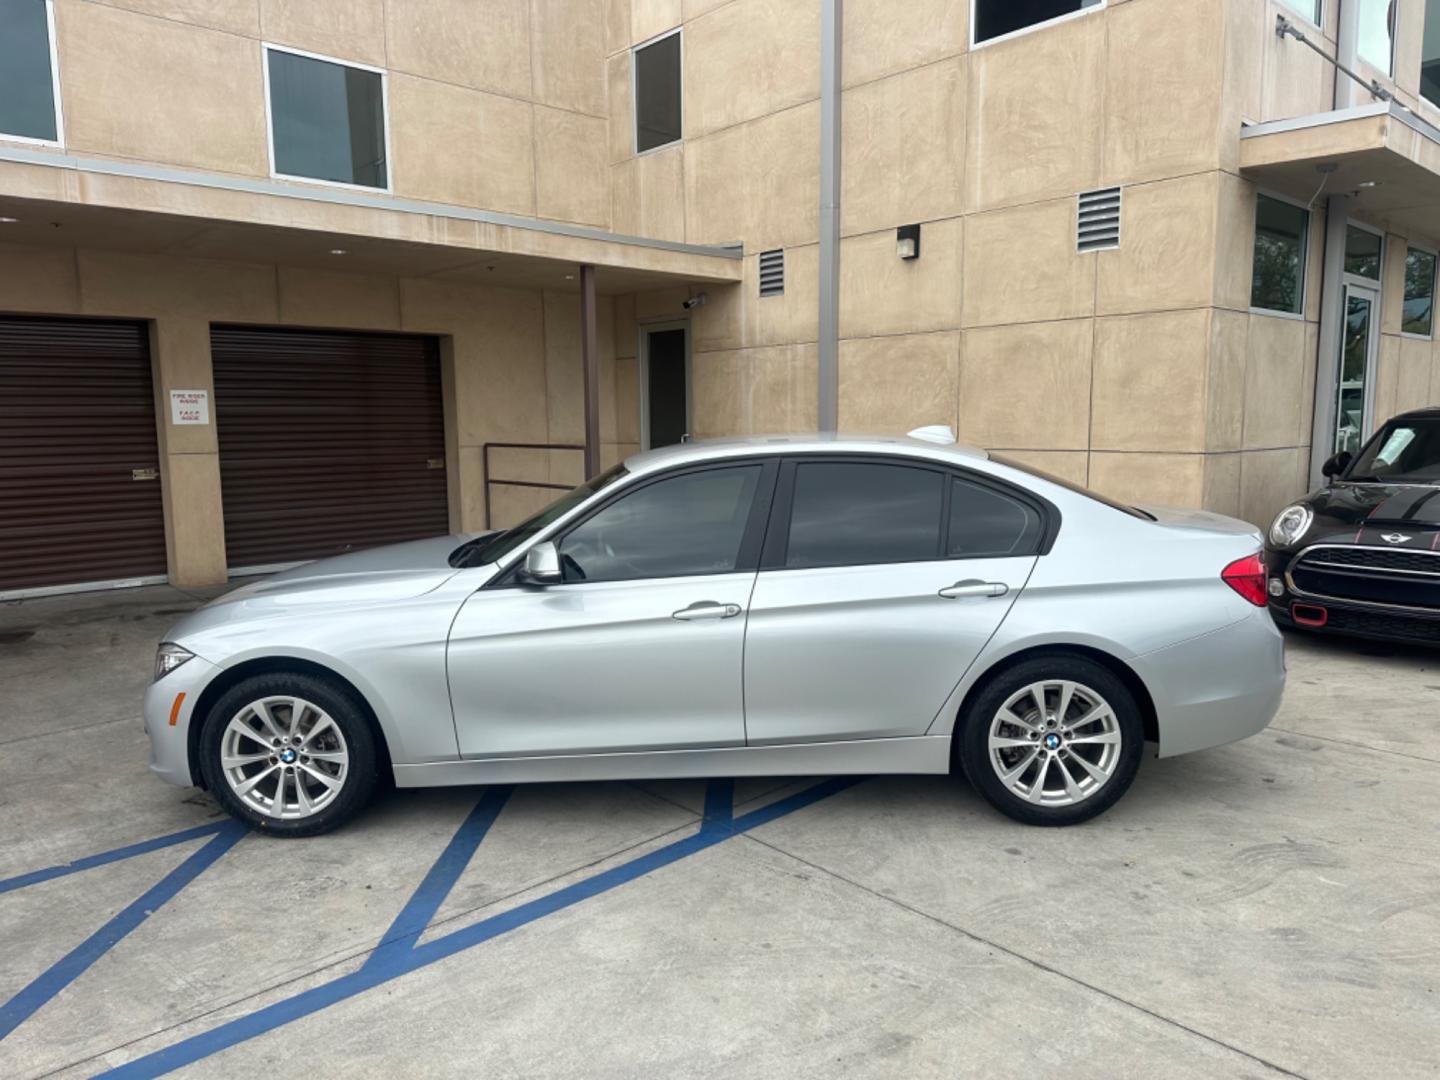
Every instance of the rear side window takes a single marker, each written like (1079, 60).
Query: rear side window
(853, 513)
(985, 522)
(688, 524)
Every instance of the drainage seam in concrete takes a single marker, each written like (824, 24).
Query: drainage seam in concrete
(1029, 960)
(340, 961)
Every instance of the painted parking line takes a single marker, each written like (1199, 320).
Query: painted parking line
(718, 825)
(89, 862)
(74, 964)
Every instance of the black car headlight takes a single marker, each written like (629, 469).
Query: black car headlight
(1291, 524)
(169, 657)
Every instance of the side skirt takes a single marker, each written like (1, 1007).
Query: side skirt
(918, 754)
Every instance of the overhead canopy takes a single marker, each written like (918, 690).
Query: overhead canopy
(1383, 155)
(70, 201)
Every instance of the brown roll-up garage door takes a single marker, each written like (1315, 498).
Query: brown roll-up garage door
(79, 466)
(329, 442)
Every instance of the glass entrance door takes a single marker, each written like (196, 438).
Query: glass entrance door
(1354, 414)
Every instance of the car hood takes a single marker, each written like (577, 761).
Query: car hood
(1377, 515)
(395, 571)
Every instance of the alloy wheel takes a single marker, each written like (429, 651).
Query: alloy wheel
(284, 757)
(1054, 743)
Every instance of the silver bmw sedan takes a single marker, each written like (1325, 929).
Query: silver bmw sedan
(770, 606)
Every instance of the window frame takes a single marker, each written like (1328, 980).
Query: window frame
(1410, 246)
(266, 48)
(1304, 259)
(777, 536)
(751, 540)
(635, 150)
(59, 140)
(1013, 34)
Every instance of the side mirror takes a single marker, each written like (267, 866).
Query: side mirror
(542, 565)
(1336, 464)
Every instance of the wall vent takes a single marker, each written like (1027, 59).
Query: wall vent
(772, 272)
(1097, 220)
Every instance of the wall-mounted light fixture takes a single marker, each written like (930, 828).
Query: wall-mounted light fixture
(907, 241)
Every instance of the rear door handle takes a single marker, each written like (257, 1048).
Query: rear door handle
(974, 587)
(706, 609)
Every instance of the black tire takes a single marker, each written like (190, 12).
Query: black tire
(361, 776)
(972, 742)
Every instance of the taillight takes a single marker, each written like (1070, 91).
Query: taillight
(1247, 577)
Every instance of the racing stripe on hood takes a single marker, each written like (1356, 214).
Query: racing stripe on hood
(1398, 506)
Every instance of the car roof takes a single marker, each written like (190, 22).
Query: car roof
(832, 442)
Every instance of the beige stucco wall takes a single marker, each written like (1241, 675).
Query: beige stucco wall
(511, 366)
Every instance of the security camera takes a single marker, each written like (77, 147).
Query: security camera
(698, 300)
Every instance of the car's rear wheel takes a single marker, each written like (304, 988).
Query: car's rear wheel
(289, 754)
(1054, 740)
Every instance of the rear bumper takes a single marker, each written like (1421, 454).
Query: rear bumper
(170, 743)
(1218, 688)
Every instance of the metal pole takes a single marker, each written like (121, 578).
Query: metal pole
(828, 391)
(1332, 321)
(590, 361)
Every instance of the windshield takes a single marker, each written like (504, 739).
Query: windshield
(1133, 511)
(492, 548)
(1406, 451)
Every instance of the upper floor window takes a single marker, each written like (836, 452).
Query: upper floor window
(1430, 54)
(327, 119)
(1419, 292)
(990, 19)
(29, 89)
(1281, 230)
(1375, 42)
(1309, 9)
(657, 92)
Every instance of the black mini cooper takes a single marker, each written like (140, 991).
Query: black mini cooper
(1362, 555)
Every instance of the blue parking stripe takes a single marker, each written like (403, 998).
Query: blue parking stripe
(415, 916)
(400, 962)
(104, 857)
(65, 971)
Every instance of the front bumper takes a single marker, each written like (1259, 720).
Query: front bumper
(1347, 618)
(168, 709)
(1218, 688)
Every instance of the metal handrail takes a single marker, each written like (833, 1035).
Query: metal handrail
(485, 449)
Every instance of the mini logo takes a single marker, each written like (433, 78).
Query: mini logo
(1394, 538)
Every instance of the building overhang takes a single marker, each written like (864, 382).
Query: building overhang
(1383, 155)
(64, 200)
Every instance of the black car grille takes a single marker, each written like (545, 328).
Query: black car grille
(1370, 575)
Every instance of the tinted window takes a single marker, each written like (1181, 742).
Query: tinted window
(327, 120)
(689, 524)
(847, 514)
(1419, 292)
(1362, 252)
(27, 89)
(1279, 280)
(657, 93)
(985, 522)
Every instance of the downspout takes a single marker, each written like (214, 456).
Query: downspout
(828, 390)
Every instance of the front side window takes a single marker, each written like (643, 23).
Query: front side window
(853, 514)
(1430, 54)
(327, 120)
(677, 527)
(1405, 451)
(1280, 238)
(1362, 252)
(657, 93)
(1419, 292)
(987, 524)
(996, 18)
(27, 79)
(1375, 43)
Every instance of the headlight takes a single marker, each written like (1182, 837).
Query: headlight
(168, 657)
(1290, 525)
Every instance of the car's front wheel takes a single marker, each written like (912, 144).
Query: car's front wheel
(289, 754)
(1054, 740)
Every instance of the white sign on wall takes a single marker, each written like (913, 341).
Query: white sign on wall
(190, 406)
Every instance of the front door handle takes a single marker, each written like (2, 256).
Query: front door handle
(974, 587)
(706, 609)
